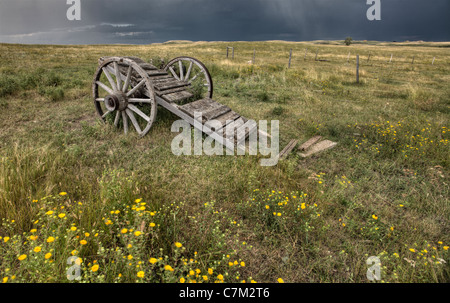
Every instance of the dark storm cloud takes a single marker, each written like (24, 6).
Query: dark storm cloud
(149, 21)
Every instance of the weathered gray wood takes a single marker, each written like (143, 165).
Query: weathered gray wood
(254, 55)
(175, 110)
(157, 72)
(225, 119)
(161, 77)
(413, 59)
(321, 146)
(133, 121)
(390, 60)
(306, 51)
(317, 53)
(287, 150)
(170, 91)
(170, 85)
(309, 143)
(135, 89)
(139, 112)
(125, 123)
(209, 108)
(147, 66)
(434, 58)
(216, 112)
(177, 96)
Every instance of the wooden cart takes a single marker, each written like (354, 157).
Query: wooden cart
(127, 91)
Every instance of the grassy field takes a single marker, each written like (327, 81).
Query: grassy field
(128, 210)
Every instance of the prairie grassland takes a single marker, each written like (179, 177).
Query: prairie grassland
(128, 210)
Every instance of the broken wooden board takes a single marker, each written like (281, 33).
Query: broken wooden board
(309, 143)
(287, 150)
(319, 147)
(209, 109)
(224, 120)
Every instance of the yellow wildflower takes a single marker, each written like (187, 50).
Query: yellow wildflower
(22, 257)
(168, 268)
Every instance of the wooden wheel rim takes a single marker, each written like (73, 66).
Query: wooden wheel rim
(192, 61)
(120, 98)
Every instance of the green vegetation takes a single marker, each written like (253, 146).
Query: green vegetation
(129, 210)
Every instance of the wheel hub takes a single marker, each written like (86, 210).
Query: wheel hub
(116, 101)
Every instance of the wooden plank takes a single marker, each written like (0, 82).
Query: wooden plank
(177, 96)
(225, 119)
(161, 77)
(201, 106)
(216, 112)
(321, 146)
(148, 67)
(287, 150)
(152, 73)
(170, 85)
(170, 91)
(309, 143)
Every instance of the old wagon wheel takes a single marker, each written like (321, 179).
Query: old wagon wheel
(194, 72)
(123, 93)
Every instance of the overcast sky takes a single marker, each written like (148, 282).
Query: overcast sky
(150, 21)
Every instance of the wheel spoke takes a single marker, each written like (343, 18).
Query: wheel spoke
(180, 64)
(136, 88)
(116, 120)
(106, 114)
(125, 123)
(127, 81)
(110, 79)
(139, 112)
(195, 77)
(189, 70)
(133, 121)
(118, 79)
(104, 86)
(174, 73)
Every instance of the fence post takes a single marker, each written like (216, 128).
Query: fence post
(227, 51)
(290, 57)
(232, 56)
(368, 58)
(306, 51)
(317, 52)
(391, 58)
(433, 60)
(357, 68)
(413, 59)
(254, 54)
(348, 57)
